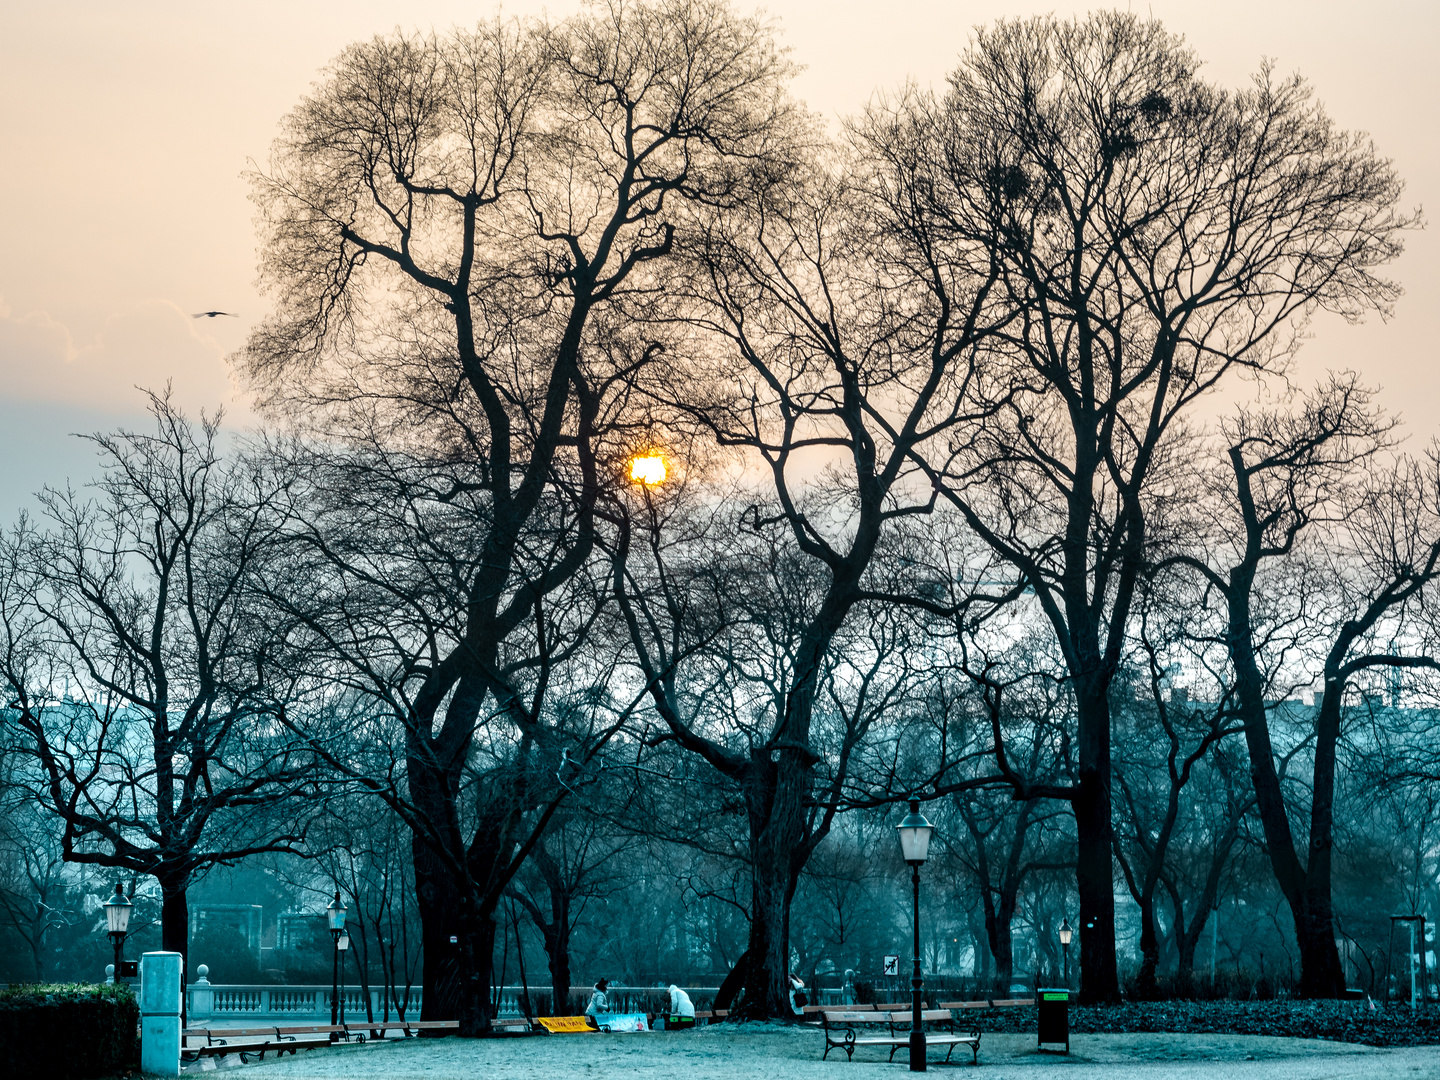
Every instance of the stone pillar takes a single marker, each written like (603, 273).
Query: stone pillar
(109, 974)
(161, 984)
(202, 995)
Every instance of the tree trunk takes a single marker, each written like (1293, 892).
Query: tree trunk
(1147, 987)
(1306, 888)
(174, 913)
(557, 948)
(1094, 868)
(437, 901)
(775, 793)
(1185, 941)
(477, 962)
(733, 983)
(175, 922)
(1321, 973)
(1002, 948)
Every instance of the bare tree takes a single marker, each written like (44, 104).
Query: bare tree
(39, 896)
(1153, 770)
(136, 666)
(1158, 233)
(455, 227)
(574, 864)
(1307, 494)
(834, 326)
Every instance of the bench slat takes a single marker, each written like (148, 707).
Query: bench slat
(907, 1015)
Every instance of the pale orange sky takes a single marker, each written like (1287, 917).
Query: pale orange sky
(124, 128)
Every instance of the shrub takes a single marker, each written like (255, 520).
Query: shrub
(72, 1030)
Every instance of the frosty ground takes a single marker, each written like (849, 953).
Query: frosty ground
(767, 1052)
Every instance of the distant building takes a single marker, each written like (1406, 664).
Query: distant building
(245, 918)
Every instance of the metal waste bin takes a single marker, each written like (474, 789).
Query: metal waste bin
(1054, 1008)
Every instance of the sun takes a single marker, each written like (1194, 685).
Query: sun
(648, 470)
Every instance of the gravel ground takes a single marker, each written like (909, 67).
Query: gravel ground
(768, 1052)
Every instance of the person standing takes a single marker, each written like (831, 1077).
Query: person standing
(798, 1000)
(847, 991)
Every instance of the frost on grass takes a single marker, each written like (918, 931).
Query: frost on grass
(773, 1052)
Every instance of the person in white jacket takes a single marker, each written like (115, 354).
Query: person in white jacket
(598, 1001)
(682, 1010)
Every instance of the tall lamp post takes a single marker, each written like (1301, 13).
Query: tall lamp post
(117, 923)
(335, 914)
(915, 832)
(344, 946)
(1065, 935)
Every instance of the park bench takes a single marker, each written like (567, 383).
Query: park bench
(989, 1003)
(843, 1023)
(407, 1027)
(710, 1015)
(283, 1040)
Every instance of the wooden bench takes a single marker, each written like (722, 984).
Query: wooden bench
(710, 1015)
(843, 1022)
(283, 1040)
(407, 1027)
(989, 1003)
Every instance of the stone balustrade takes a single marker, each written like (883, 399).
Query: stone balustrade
(210, 1002)
(207, 1001)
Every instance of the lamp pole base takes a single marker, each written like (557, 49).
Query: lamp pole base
(917, 1051)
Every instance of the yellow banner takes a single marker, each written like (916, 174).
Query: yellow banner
(564, 1025)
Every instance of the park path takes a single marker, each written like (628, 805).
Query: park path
(766, 1052)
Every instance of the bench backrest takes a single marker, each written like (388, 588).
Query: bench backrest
(854, 1016)
(926, 1016)
(998, 1003)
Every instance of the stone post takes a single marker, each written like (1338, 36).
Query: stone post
(161, 983)
(202, 995)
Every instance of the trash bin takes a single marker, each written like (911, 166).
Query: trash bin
(1054, 1008)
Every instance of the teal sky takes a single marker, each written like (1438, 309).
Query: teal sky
(124, 128)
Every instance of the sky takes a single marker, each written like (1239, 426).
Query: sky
(125, 128)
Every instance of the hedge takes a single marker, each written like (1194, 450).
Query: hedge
(69, 1031)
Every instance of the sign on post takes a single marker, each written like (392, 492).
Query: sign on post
(892, 965)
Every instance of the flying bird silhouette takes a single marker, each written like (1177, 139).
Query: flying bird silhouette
(212, 314)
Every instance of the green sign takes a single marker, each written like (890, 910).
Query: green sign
(1062, 996)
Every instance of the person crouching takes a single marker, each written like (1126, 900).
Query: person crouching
(599, 1003)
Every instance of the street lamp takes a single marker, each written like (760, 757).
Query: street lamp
(117, 922)
(1065, 935)
(343, 944)
(335, 914)
(915, 833)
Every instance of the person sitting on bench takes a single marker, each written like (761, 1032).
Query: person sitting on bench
(682, 1010)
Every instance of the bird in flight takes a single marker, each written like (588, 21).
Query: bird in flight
(212, 314)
